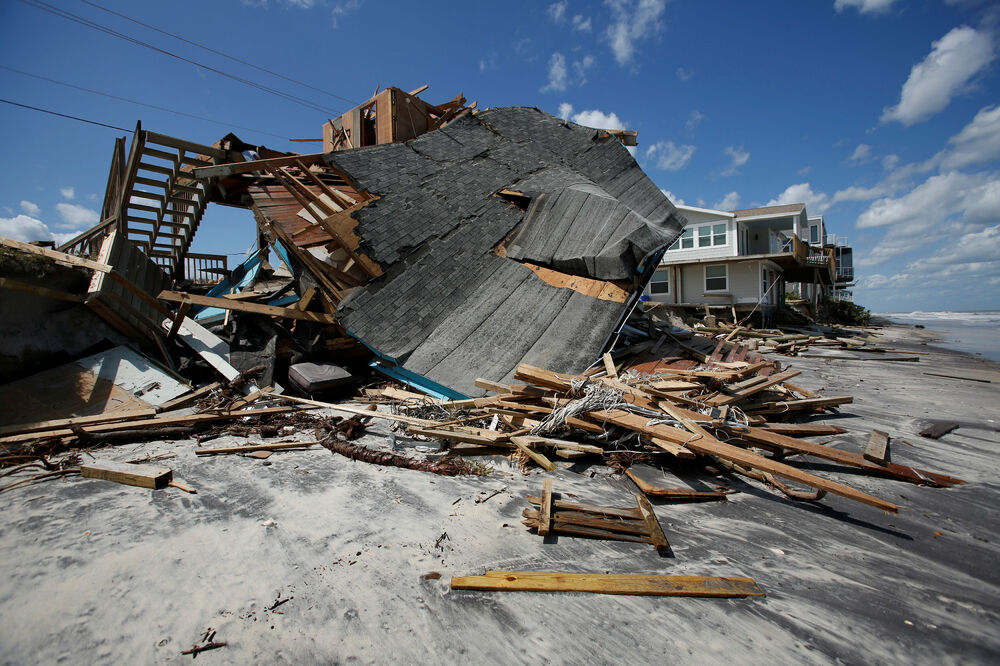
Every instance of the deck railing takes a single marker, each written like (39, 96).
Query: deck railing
(205, 268)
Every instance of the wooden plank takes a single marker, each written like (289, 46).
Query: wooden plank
(799, 405)
(878, 447)
(652, 524)
(793, 429)
(460, 435)
(182, 311)
(59, 257)
(534, 440)
(55, 424)
(894, 470)
(631, 513)
(609, 366)
(254, 447)
(526, 449)
(545, 514)
(234, 168)
(359, 411)
(634, 584)
(938, 430)
(188, 397)
(144, 476)
(561, 519)
(209, 346)
(756, 388)
(572, 529)
(243, 306)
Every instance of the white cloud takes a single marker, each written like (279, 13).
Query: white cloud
(633, 21)
(816, 202)
(694, 120)
(933, 201)
(342, 9)
(557, 10)
(668, 156)
(565, 110)
(730, 201)
(581, 23)
(977, 143)
(684, 74)
(30, 208)
(596, 119)
(864, 6)
(558, 76)
(28, 229)
(737, 156)
(24, 228)
(953, 60)
(891, 161)
(855, 193)
(861, 154)
(67, 192)
(581, 66)
(74, 215)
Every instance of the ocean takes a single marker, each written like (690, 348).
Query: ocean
(969, 332)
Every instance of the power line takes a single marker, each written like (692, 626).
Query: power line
(220, 53)
(38, 4)
(64, 115)
(132, 101)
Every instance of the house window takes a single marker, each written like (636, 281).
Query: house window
(660, 283)
(814, 234)
(716, 278)
(685, 241)
(719, 234)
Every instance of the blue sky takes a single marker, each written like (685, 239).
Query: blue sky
(883, 115)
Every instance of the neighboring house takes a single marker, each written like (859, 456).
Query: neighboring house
(843, 257)
(742, 260)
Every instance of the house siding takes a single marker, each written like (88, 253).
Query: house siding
(744, 284)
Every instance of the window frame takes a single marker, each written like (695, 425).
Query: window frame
(700, 236)
(725, 276)
(665, 271)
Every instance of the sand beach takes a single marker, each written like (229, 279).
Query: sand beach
(308, 557)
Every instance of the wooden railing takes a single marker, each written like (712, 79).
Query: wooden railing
(205, 268)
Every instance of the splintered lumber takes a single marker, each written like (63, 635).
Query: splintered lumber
(804, 428)
(244, 306)
(461, 435)
(799, 405)
(756, 388)
(161, 421)
(703, 442)
(609, 365)
(570, 522)
(361, 412)
(524, 446)
(631, 513)
(545, 515)
(254, 447)
(878, 447)
(110, 417)
(635, 584)
(144, 476)
(938, 430)
(187, 398)
(894, 470)
(652, 524)
(560, 444)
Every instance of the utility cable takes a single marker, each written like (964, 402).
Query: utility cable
(220, 53)
(132, 101)
(63, 115)
(44, 6)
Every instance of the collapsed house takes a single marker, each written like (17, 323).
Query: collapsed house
(491, 238)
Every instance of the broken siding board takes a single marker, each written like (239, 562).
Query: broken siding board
(656, 535)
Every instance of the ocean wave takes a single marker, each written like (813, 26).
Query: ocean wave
(979, 318)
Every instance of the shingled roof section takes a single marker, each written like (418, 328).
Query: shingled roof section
(450, 306)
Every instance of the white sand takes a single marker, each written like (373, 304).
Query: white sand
(95, 572)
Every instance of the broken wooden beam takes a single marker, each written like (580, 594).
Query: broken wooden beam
(244, 306)
(144, 476)
(878, 447)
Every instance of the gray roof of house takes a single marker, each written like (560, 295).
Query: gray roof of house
(450, 308)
